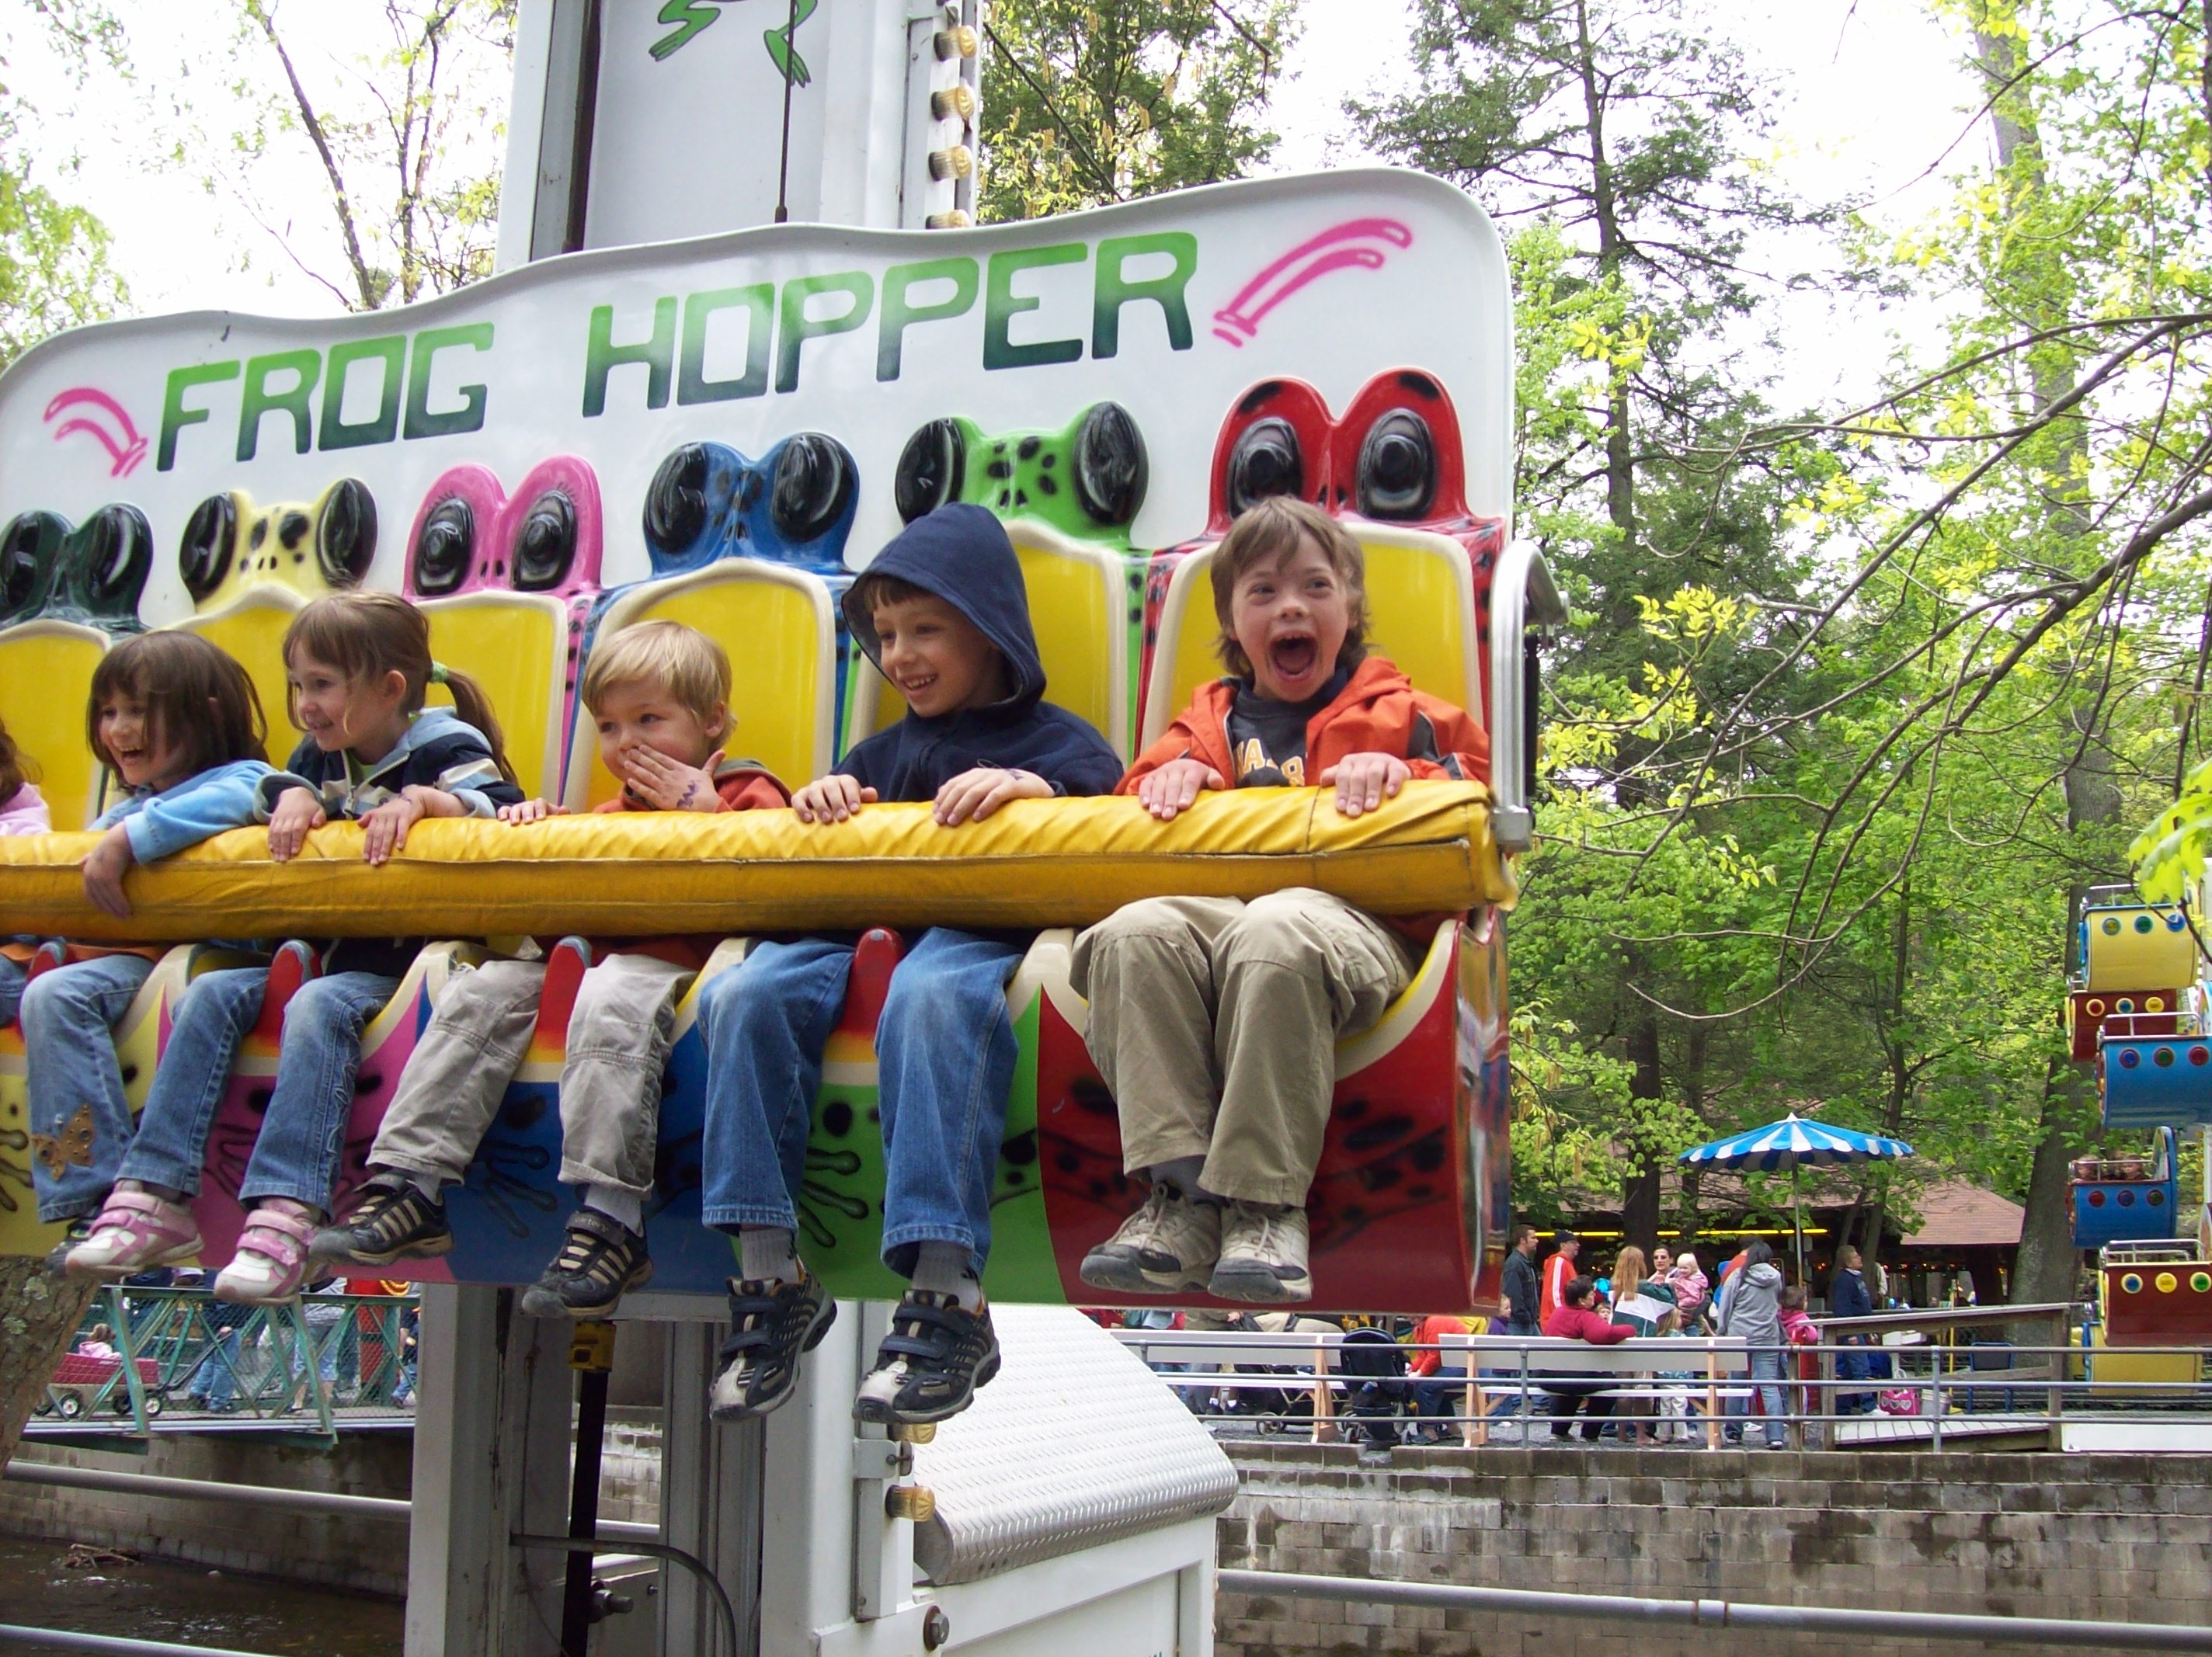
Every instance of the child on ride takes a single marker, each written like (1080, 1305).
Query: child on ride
(22, 811)
(660, 693)
(177, 725)
(1214, 1021)
(943, 615)
(359, 669)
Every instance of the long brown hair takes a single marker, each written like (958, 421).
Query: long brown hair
(1629, 1271)
(195, 697)
(366, 635)
(16, 768)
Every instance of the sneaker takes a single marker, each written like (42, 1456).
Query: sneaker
(771, 1323)
(601, 1260)
(1263, 1254)
(135, 1232)
(1167, 1246)
(391, 1222)
(937, 1354)
(272, 1261)
(75, 1232)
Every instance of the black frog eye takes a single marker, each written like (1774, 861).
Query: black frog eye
(210, 535)
(119, 551)
(675, 501)
(1265, 461)
(441, 555)
(1109, 465)
(931, 470)
(545, 545)
(345, 540)
(22, 565)
(1397, 467)
(813, 486)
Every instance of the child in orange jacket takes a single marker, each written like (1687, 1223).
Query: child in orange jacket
(1214, 1021)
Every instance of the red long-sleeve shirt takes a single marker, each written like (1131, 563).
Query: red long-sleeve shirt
(1580, 1323)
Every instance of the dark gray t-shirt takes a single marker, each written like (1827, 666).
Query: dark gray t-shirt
(1267, 739)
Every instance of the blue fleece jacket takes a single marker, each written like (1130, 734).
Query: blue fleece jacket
(198, 808)
(961, 553)
(439, 749)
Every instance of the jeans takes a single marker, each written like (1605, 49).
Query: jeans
(80, 1122)
(297, 1154)
(12, 974)
(944, 1050)
(1766, 1367)
(1567, 1397)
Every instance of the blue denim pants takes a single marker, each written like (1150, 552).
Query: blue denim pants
(12, 974)
(69, 1055)
(296, 1155)
(945, 1052)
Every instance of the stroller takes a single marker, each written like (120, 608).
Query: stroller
(1377, 1394)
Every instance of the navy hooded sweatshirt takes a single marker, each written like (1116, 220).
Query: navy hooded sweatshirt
(961, 554)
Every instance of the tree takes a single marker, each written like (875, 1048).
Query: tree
(53, 274)
(403, 136)
(1097, 101)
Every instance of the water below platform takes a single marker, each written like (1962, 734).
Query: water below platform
(191, 1605)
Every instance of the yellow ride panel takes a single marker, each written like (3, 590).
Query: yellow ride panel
(2124, 954)
(252, 631)
(516, 647)
(45, 681)
(776, 625)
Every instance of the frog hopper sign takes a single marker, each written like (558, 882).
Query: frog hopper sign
(1173, 308)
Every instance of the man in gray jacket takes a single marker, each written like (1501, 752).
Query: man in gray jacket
(1754, 1310)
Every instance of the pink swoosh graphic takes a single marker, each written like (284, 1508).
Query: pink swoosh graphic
(1311, 259)
(123, 456)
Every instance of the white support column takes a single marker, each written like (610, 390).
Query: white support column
(806, 1508)
(710, 1500)
(492, 1459)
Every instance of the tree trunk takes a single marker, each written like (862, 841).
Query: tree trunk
(1639, 1197)
(39, 1316)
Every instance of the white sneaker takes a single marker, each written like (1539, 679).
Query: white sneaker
(1263, 1254)
(1167, 1246)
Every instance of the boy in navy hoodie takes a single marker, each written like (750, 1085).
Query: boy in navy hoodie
(943, 614)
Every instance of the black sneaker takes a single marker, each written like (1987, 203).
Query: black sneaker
(601, 1261)
(770, 1325)
(80, 1229)
(929, 1366)
(391, 1222)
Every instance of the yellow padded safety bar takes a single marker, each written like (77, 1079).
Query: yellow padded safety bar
(1034, 864)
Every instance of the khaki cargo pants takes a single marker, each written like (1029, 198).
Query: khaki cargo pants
(618, 1039)
(1214, 1022)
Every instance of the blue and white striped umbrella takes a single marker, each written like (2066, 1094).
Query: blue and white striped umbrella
(1793, 1142)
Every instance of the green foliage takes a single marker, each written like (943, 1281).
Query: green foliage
(1095, 101)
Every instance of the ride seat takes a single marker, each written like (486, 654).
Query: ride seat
(45, 684)
(1079, 599)
(778, 625)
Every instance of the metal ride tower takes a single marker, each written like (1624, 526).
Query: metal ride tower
(633, 124)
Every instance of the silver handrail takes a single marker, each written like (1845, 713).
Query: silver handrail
(1521, 596)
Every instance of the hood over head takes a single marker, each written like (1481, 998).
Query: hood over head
(1765, 1274)
(961, 553)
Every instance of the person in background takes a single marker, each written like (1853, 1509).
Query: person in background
(1642, 1303)
(100, 1343)
(1522, 1292)
(1575, 1320)
(1750, 1307)
(1691, 1291)
(1800, 1334)
(1730, 1267)
(1558, 1272)
(1849, 1297)
(1440, 1377)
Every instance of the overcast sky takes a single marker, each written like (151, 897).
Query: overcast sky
(1873, 97)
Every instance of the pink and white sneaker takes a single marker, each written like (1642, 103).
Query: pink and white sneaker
(271, 1262)
(136, 1231)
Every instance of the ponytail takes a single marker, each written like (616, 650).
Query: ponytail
(475, 708)
(364, 634)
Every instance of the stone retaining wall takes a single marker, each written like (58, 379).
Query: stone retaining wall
(2114, 1537)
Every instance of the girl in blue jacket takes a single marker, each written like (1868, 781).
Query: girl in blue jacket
(177, 726)
(358, 668)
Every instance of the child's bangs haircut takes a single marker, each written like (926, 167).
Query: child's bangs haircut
(196, 698)
(365, 635)
(870, 591)
(690, 667)
(1265, 536)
